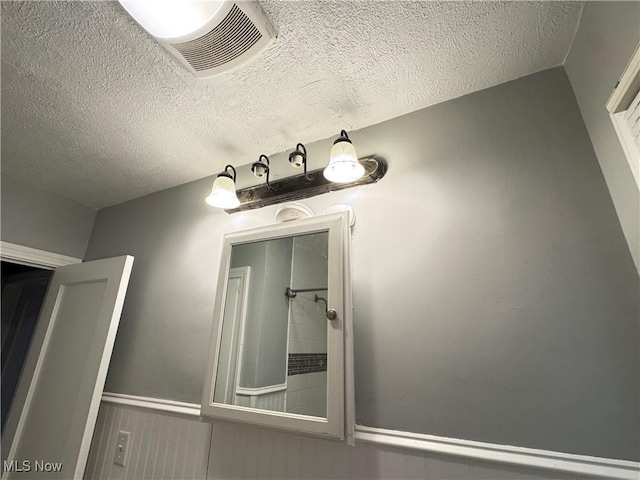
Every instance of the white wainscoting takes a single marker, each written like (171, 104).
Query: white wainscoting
(162, 445)
(243, 452)
(168, 441)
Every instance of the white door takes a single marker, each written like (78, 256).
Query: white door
(54, 411)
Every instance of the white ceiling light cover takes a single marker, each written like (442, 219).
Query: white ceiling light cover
(343, 164)
(223, 193)
(208, 37)
(171, 19)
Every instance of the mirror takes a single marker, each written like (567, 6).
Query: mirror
(278, 344)
(273, 351)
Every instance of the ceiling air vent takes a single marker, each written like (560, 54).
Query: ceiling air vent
(234, 36)
(225, 34)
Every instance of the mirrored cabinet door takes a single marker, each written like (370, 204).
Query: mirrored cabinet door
(277, 354)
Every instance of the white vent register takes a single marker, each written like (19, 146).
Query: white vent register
(207, 37)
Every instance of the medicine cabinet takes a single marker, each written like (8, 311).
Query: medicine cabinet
(281, 349)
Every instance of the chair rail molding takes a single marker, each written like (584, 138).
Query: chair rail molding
(526, 457)
(150, 403)
(529, 457)
(14, 253)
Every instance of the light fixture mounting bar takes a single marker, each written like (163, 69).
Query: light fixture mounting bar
(299, 187)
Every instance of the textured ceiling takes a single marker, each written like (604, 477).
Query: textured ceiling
(94, 109)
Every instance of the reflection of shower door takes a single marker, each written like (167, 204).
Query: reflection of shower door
(232, 339)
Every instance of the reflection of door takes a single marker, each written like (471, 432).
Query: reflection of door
(56, 403)
(231, 342)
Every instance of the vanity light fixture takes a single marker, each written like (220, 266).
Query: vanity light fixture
(345, 170)
(298, 158)
(223, 193)
(261, 169)
(343, 165)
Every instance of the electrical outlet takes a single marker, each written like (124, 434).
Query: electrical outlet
(121, 448)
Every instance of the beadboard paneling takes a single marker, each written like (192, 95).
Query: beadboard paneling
(178, 447)
(162, 446)
(241, 452)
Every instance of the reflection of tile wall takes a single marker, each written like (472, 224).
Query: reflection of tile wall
(307, 394)
(308, 325)
(301, 363)
(307, 367)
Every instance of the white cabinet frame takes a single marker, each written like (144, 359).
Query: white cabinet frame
(340, 401)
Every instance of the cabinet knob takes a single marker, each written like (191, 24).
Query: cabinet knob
(332, 314)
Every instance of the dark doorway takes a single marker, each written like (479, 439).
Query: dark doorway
(23, 291)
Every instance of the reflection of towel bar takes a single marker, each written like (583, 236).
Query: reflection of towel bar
(292, 292)
(323, 300)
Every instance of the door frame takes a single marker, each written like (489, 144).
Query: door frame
(33, 257)
(20, 291)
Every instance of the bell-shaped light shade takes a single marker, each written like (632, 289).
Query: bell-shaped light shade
(171, 18)
(223, 193)
(343, 164)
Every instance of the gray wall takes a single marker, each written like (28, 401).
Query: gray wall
(608, 35)
(264, 357)
(36, 218)
(494, 295)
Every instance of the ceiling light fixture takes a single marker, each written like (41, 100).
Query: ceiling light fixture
(169, 19)
(343, 162)
(261, 169)
(223, 193)
(208, 37)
